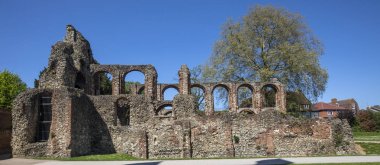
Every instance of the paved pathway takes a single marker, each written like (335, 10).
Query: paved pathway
(260, 161)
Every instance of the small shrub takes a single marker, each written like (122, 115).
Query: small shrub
(236, 139)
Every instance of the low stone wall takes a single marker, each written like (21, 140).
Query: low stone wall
(5, 131)
(130, 124)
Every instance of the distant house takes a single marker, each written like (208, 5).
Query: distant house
(346, 103)
(375, 108)
(327, 110)
(332, 109)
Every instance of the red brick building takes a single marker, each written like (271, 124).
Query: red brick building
(330, 110)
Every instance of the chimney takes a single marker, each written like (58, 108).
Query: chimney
(333, 101)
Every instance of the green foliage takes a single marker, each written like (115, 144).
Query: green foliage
(295, 101)
(349, 116)
(268, 42)
(236, 139)
(199, 94)
(105, 84)
(10, 86)
(368, 121)
(128, 85)
(338, 138)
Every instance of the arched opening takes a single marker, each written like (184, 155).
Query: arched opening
(268, 93)
(44, 117)
(132, 81)
(220, 96)
(247, 111)
(80, 81)
(199, 94)
(244, 96)
(123, 112)
(165, 110)
(103, 83)
(169, 92)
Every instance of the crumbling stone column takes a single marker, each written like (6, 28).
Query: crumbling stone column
(257, 96)
(142, 144)
(280, 95)
(150, 83)
(232, 98)
(116, 83)
(186, 148)
(229, 139)
(209, 100)
(159, 93)
(184, 80)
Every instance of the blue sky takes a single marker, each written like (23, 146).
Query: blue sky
(170, 33)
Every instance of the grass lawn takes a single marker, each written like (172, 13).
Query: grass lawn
(366, 136)
(371, 148)
(105, 157)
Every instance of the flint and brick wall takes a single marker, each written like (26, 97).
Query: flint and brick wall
(84, 122)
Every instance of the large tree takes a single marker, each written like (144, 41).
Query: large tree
(269, 42)
(10, 86)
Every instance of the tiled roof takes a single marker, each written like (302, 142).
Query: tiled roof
(326, 106)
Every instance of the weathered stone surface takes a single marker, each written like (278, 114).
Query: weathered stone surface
(84, 122)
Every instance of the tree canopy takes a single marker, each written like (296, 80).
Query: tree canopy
(10, 86)
(268, 42)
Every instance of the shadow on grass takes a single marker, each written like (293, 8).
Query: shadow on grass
(273, 161)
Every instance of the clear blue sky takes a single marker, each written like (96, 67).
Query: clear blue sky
(170, 33)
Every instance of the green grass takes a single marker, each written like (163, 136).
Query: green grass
(105, 157)
(366, 136)
(371, 148)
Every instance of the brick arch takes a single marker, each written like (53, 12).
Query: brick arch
(162, 105)
(135, 89)
(150, 78)
(125, 73)
(221, 85)
(122, 101)
(198, 86)
(276, 96)
(122, 112)
(229, 92)
(250, 87)
(168, 86)
(274, 86)
(246, 111)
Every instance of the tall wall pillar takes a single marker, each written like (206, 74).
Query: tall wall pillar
(209, 99)
(280, 97)
(232, 98)
(186, 145)
(184, 80)
(159, 92)
(257, 97)
(151, 83)
(116, 83)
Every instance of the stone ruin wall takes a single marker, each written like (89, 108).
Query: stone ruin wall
(84, 122)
